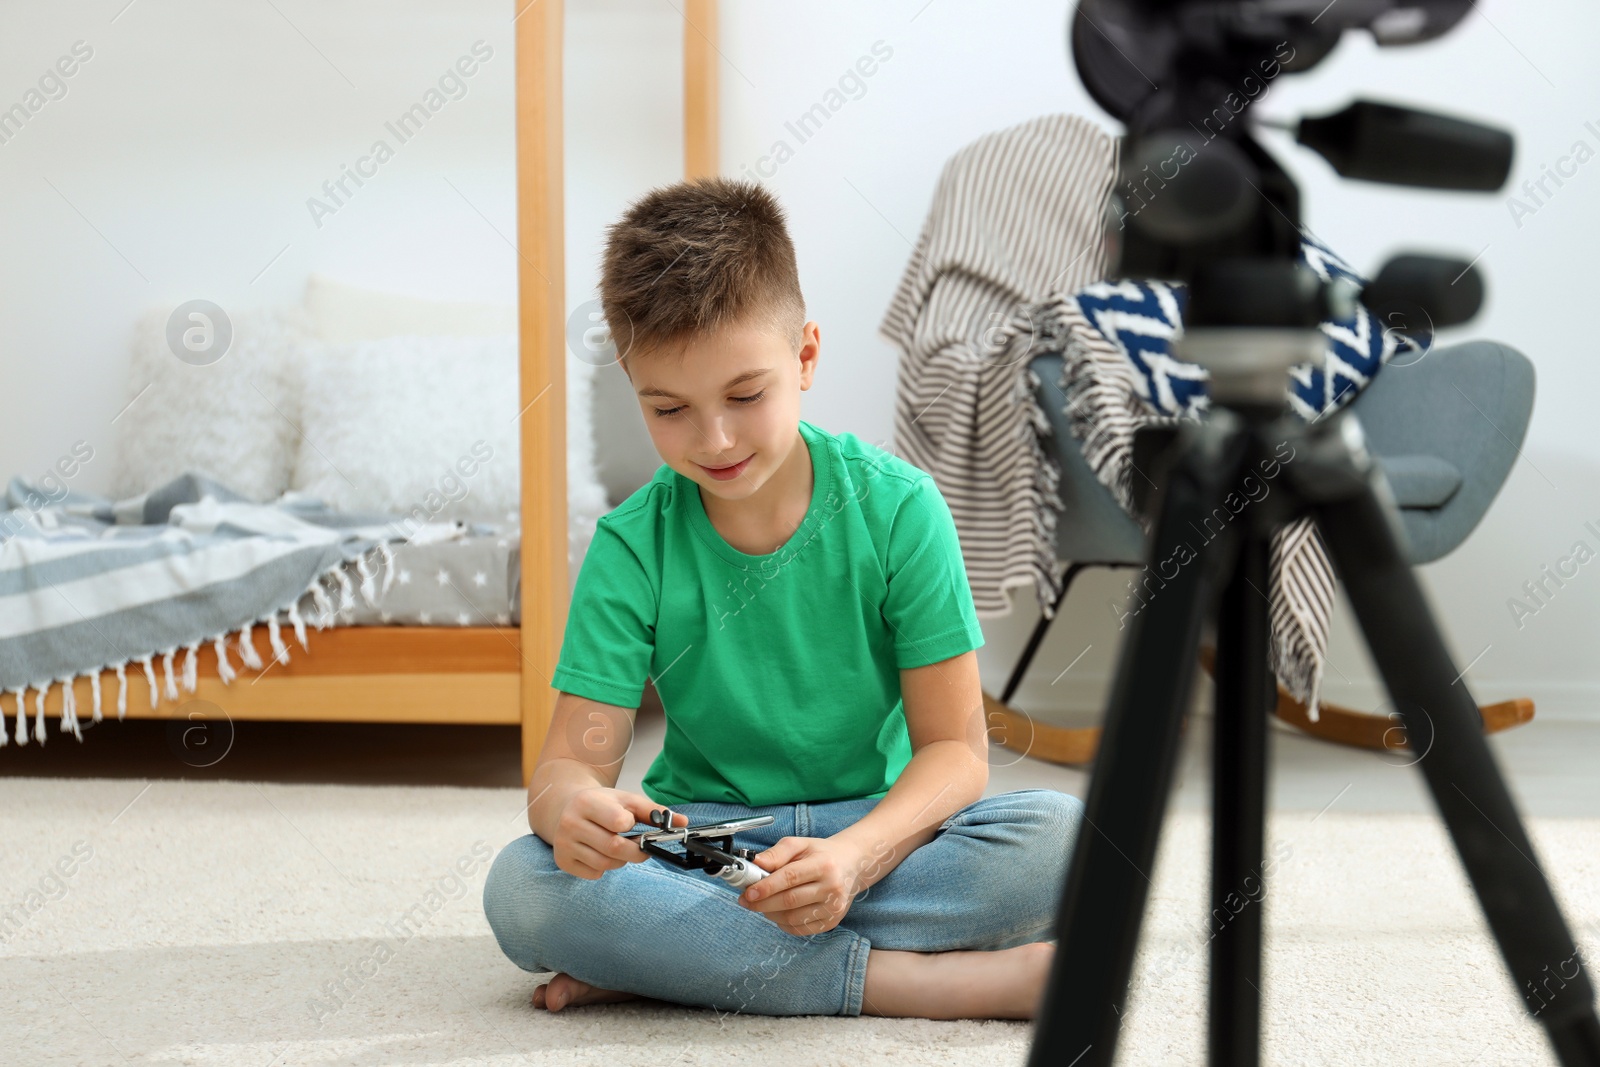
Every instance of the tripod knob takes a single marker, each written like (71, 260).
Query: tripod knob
(1406, 146)
(1422, 292)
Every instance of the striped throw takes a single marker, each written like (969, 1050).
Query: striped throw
(1011, 263)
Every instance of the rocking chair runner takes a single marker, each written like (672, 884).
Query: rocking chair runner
(1446, 431)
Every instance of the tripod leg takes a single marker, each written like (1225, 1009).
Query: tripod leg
(1102, 904)
(1245, 691)
(1444, 726)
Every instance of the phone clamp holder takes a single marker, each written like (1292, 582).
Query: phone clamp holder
(706, 848)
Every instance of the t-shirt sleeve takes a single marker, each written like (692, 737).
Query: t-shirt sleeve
(929, 606)
(611, 625)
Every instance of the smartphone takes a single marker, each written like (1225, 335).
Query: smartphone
(710, 829)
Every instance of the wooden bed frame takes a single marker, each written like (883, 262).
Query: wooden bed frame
(480, 675)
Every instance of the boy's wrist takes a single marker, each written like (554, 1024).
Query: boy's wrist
(551, 797)
(873, 857)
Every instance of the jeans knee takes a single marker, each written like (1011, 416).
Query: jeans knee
(1064, 813)
(1059, 817)
(1051, 816)
(517, 901)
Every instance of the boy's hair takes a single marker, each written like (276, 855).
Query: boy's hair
(694, 256)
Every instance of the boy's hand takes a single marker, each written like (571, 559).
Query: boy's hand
(587, 844)
(811, 883)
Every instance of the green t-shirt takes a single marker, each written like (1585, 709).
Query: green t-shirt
(779, 673)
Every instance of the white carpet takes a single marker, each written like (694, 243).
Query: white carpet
(211, 916)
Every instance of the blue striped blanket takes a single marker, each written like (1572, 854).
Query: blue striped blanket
(90, 584)
(1143, 318)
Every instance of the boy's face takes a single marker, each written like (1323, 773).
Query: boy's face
(711, 419)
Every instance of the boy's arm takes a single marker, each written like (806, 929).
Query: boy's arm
(583, 749)
(948, 770)
(574, 804)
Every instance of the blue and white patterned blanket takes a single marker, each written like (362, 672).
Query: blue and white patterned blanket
(90, 584)
(1119, 374)
(1143, 318)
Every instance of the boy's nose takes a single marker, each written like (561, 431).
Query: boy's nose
(717, 441)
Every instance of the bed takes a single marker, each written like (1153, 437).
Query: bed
(478, 674)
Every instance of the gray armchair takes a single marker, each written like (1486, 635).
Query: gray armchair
(1445, 429)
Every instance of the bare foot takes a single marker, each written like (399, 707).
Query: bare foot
(1001, 984)
(565, 991)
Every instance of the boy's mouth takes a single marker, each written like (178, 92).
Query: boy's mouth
(732, 471)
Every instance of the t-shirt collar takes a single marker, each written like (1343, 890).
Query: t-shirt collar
(821, 483)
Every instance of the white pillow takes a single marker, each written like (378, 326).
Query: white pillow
(346, 312)
(232, 419)
(341, 312)
(399, 424)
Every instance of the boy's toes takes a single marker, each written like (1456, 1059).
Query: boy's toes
(559, 992)
(565, 991)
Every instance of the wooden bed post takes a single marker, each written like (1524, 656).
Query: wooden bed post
(542, 299)
(700, 88)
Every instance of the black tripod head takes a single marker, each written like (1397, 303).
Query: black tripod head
(1199, 199)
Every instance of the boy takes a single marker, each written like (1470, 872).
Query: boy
(799, 601)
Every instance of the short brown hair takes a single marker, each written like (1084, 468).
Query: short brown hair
(693, 257)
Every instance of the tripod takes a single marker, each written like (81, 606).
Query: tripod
(1332, 478)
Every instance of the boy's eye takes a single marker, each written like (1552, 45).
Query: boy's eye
(669, 412)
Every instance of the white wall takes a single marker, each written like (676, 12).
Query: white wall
(179, 162)
(179, 165)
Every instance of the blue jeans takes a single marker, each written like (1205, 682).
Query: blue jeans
(991, 878)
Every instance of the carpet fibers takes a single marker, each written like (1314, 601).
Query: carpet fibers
(213, 923)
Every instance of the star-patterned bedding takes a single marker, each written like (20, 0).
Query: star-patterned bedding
(468, 581)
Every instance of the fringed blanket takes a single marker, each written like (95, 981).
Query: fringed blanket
(88, 584)
(1010, 265)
